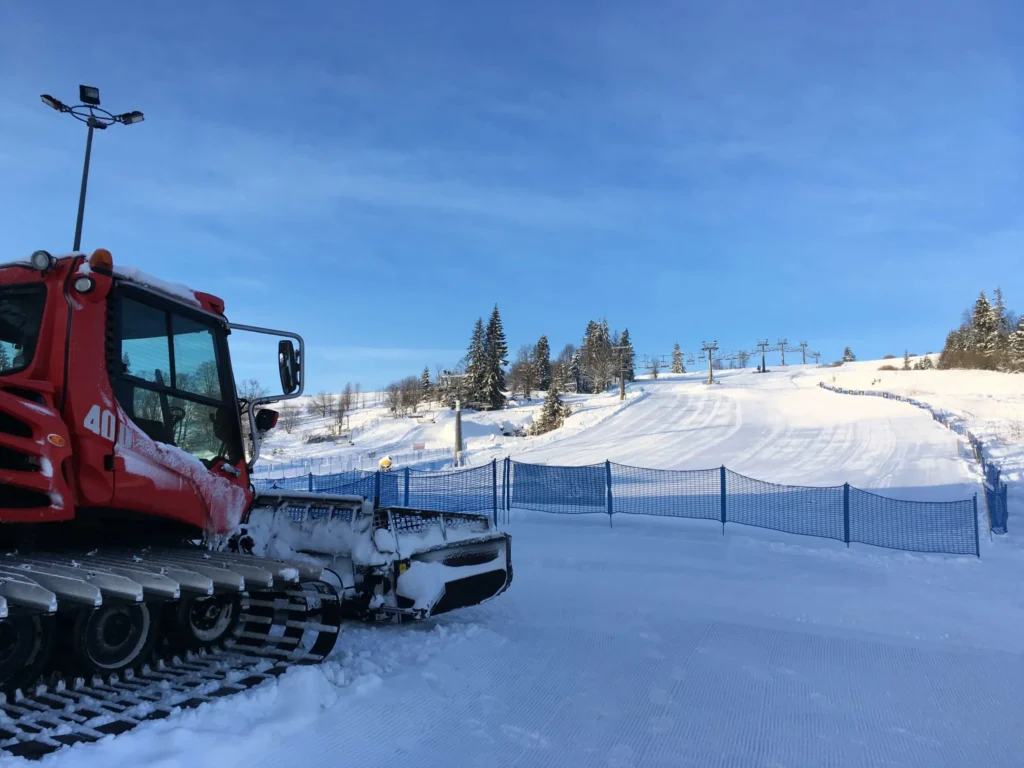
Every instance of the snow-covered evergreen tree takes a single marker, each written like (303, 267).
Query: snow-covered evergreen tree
(998, 331)
(425, 386)
(848, 356)
(476, 364)
(984, 331)
(629, 355)
(587, 356)
(575, 371)
(5, 360)
(677, 360)
(542, 362)
(1015, 349)
(926, 363)
(906, 360)
(496, 356)
(552, 414)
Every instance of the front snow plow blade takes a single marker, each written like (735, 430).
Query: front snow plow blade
(388, 563)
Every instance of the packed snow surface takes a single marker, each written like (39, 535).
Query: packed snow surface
(665, 642)
(656, 643)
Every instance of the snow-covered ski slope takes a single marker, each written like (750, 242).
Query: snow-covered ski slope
(989, 404)
(374, 430)
(780, 427)
(665, 642)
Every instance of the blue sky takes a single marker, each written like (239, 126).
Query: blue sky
(376, 176)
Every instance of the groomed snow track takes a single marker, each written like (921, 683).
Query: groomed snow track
(285, 617)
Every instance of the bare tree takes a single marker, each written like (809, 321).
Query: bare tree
(289, 418)
(743, 356)
(340, 414)
(393, 397)
(321, 404)
(250, 389)
(357, 394)
(347, 397)
(411, 393)
(655, 366)
(523, 375)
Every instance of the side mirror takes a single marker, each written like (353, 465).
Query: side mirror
(288, 365)
(266, 420)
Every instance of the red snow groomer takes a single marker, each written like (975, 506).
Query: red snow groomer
(138, 566)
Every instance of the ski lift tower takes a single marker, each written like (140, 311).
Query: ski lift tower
(709, 350)
(449, 378)
(621, 349)
(762, 344)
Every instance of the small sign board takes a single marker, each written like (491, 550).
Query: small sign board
(371, 455)
(418, 446)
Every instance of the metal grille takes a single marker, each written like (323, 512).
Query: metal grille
(300, 513)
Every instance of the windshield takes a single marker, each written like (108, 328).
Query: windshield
(21, 313)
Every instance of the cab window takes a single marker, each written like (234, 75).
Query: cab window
(170, 380)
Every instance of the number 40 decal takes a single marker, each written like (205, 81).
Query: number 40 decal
(101, 422)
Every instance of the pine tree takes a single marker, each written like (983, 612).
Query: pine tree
(677, 360)
(552, 413)
(998, 330)
(906, 360)
(984, 329)
(589, 355)
(955, 350)
(575, 372)
(476, 364)
(598, 363)
(1015, 349)
(542, 362)
(5, 360)
(999, 307)
(425, 386)
(848, 356)
(926, 363)
(496, 356)
(629, 362)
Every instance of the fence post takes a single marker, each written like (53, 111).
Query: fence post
(846, 513)
(376, 489)
(506, 490)
(405, 493)
(722, 477)
(608, 475)
(977, 544)
(494, 489)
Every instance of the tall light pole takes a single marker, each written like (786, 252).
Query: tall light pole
(90, 113)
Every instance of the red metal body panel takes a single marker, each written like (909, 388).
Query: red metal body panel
(123, 470)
